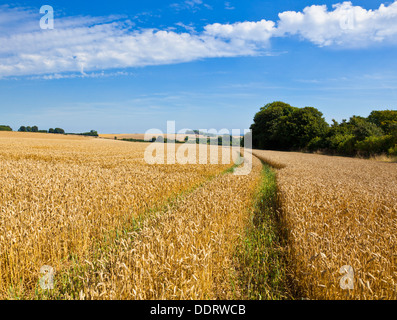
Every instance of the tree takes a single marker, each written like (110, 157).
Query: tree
(302, 126)
(35, 129)
(282, 127)
(363, 129)
(51, 130)
(279, 126)
(386, 119)
(5, 128)
(358, 135)
(59, 131)
(22, 129)
(93, 133)
(265, 130)
(29, 129)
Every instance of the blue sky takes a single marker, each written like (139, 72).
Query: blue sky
(129, 66)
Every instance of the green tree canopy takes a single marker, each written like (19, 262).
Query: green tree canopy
(302, 126)
(5, 128)
(386, 119)
(279, 126)
(265, 130)
(59, 131)
(362, 128)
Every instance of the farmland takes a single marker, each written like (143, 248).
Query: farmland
(141, 136)
(338, 212)
(61, 195)
(184, 251)
(115, 227)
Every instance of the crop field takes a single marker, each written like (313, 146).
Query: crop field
(113, 226)
(60, 196)
(338, 212)
(140, 136)
(183, 252)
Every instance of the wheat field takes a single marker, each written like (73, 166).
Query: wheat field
(141, 136)
(183, 252)
(115, 227)
(338, 212)
(62, 195)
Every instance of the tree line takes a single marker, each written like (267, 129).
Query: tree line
(92, 133)
(36, 129)
(280, 126)
(5, 128)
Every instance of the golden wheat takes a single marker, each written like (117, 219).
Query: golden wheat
(60, 195)
(184, 251)
(339, 212)
(115, 227)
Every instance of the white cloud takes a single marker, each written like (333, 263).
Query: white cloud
(102, 74)
(189, 27)
(87, 44)
(260, 31)
(192, 5)
(346, 25)
(228, 6)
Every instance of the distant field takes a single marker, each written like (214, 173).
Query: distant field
(138, 136)
(13, 135)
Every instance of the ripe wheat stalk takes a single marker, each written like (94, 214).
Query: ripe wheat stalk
(339, 211)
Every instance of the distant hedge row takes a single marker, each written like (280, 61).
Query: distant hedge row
(91, 133)
(5, 128)
(36, 129)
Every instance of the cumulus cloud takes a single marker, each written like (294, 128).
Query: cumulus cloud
(259, 32)
(346, 25)
(87, 44)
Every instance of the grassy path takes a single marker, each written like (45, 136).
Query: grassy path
(261, 256)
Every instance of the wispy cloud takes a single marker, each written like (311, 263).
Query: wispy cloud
(83, 44)
(189, 27)
(193, 5)
(229, 6)
(91, 75)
